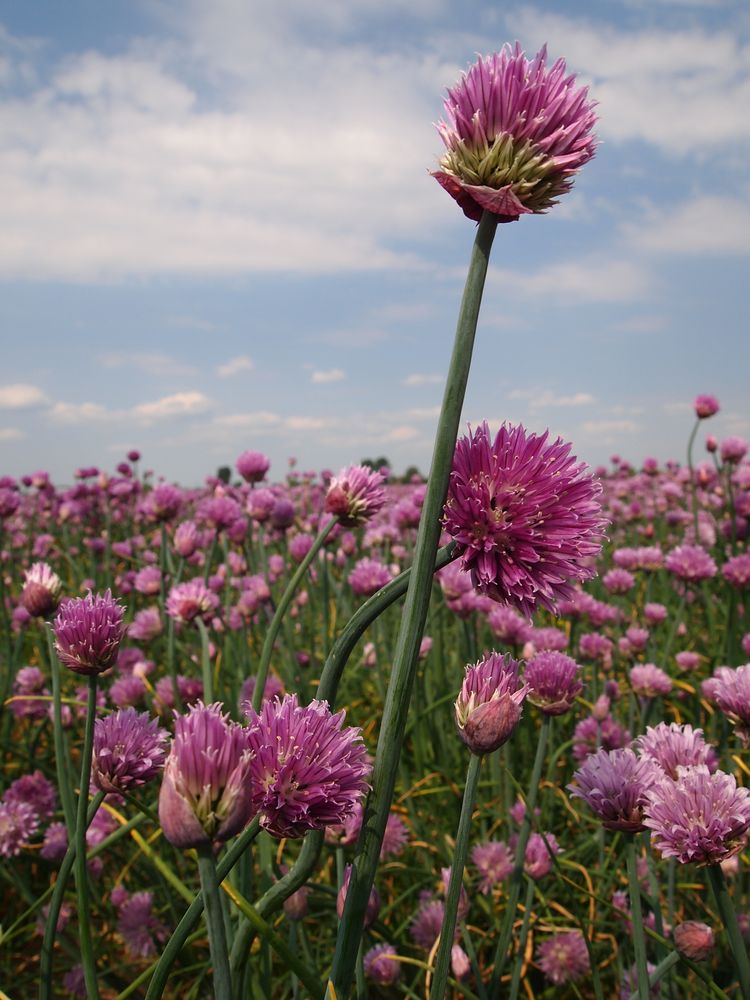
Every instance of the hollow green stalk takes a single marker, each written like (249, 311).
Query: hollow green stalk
(206, 671)
(693, 490)
(636, 916)
(406, 654)
(88, 959)
(217, 941)
(515, 981)
(514, 887)
(729, 919)
(62, 759)
(665, 966)
(442, 960)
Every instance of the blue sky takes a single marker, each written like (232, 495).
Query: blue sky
(218, 233)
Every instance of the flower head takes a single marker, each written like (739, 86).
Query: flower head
(563, 958)
(614, 784)
(690, 563)
(41, 590)
(307, 771)
(129, 750)
(494, 862)
(648, 680)
(373, 900)
(204, 793)
(706, 406)
(190, 600)
(488, 708)
(355, 495)
(694, 940)
(253, 466)
(381, 965)
(701, 817)
(19, 822)
(137, 924)
(88, 632)
(671, 746)
(526, 515)
(731, 691)
(553, 680)
(516, 134)
(36, 791)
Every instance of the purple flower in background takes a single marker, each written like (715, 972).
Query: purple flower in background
(648, 680)
(368, 576)
(427, 923)
(55, 842)
(204, 793)
(219, 511)
(126, 691)
(701, 817)
(273, 687)
(618, 581)
(592, 733)
(381, 965)
(706, 406)
(516, 134)
(307, 771)
(614, 785)
(19, 822)
(146, 625)
(488, 707)
(186, 539)
(190, 690)
(737, 571)
(190, 600)
(129, 750)
(395, 837)
(553, 682)
(733, 450)
(253, 466)
(41, 591)
(28, 684)
(162, 503)
(36, 791)
(355, 495)
(671, 746)
(730, 690)
(694, 940)
(494, 861)
(563, 958)
(373, 901)
(138, 926)
(88, 632)
(526, 515)
(537, 860)
(690, 563)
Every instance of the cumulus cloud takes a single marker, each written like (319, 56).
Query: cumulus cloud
(180, 404)
(11, 434)
(331, 375)
(539, 399)
(234, 366)
(710, 224)
(152, 363)
(588, 280)
(21, 396)
(423, 379)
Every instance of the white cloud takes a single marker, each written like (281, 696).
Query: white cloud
(591, 280)
(423, 379)
(539, 399)
(81, 413)
(258, 419)
(152, 363)
(332, 375)
(308, 423)
(11, 434)
(402, 433)
(609, 428)
(234, 366)
(180, 404)
(21, 396)
(711, 224)
(641, 324)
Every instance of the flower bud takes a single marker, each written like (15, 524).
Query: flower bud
(694, 940)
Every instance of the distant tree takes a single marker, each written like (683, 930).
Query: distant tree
(410, 473)
(376, 463)
(224, 473)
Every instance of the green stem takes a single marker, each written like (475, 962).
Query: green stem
(206, 672)
(665, 966)
(693, 491)
(286, 600)
(636, 915)
(217, 941)
(62, 760)
(406, 654)
(518, 965)
(729, 919)
(442, 961)
(516, 877)
(58, 894)
(88, 958)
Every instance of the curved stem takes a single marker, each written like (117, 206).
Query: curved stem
(88, 958)
(62, 760)
(516, 877)
(286, 600)
(440, 980)
(217, 941)
(406, 654)
(729, 919)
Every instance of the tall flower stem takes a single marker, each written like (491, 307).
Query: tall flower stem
(413, 619)
(217, 941)
(639, 939)
(88, 959)
(440, 980)
(693, 490)
(516, 877)
(515, 982)
(206, 671)
(62, 760)
(729, 919)
(281, 609)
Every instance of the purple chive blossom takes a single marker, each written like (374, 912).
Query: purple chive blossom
(307, 771)
(18, 824)
(694, 940)
(190, 690)
(368, 576)
(648, 680)
(516, 134)
(540, 850)
(395, 837)
(28, 694)
(488, 708)
(592, 733)
(146, 625)
(373, 900)
(736, 571)
(671, 746)
(494, 861)
(36, 791)
(526, 515)
(253, 466)
(186, 539)
(55, 842)
(700, 818)
(553, 682)
(129, 750)
(41, 590)
(88, 632)
(733, 450)
(128, 691)
(730, 690)
(427, 924)
(162, 503)
(138, 926)
(564, 958)
(220, 512)
(355, 495)
(204, 793)
(690, 563)
(614, 785)
(190, 600)
(618, 581)
(706, 406)
(381, 965)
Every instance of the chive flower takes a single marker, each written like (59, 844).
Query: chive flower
(129, 750)
(488, 707)
(88, 632)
